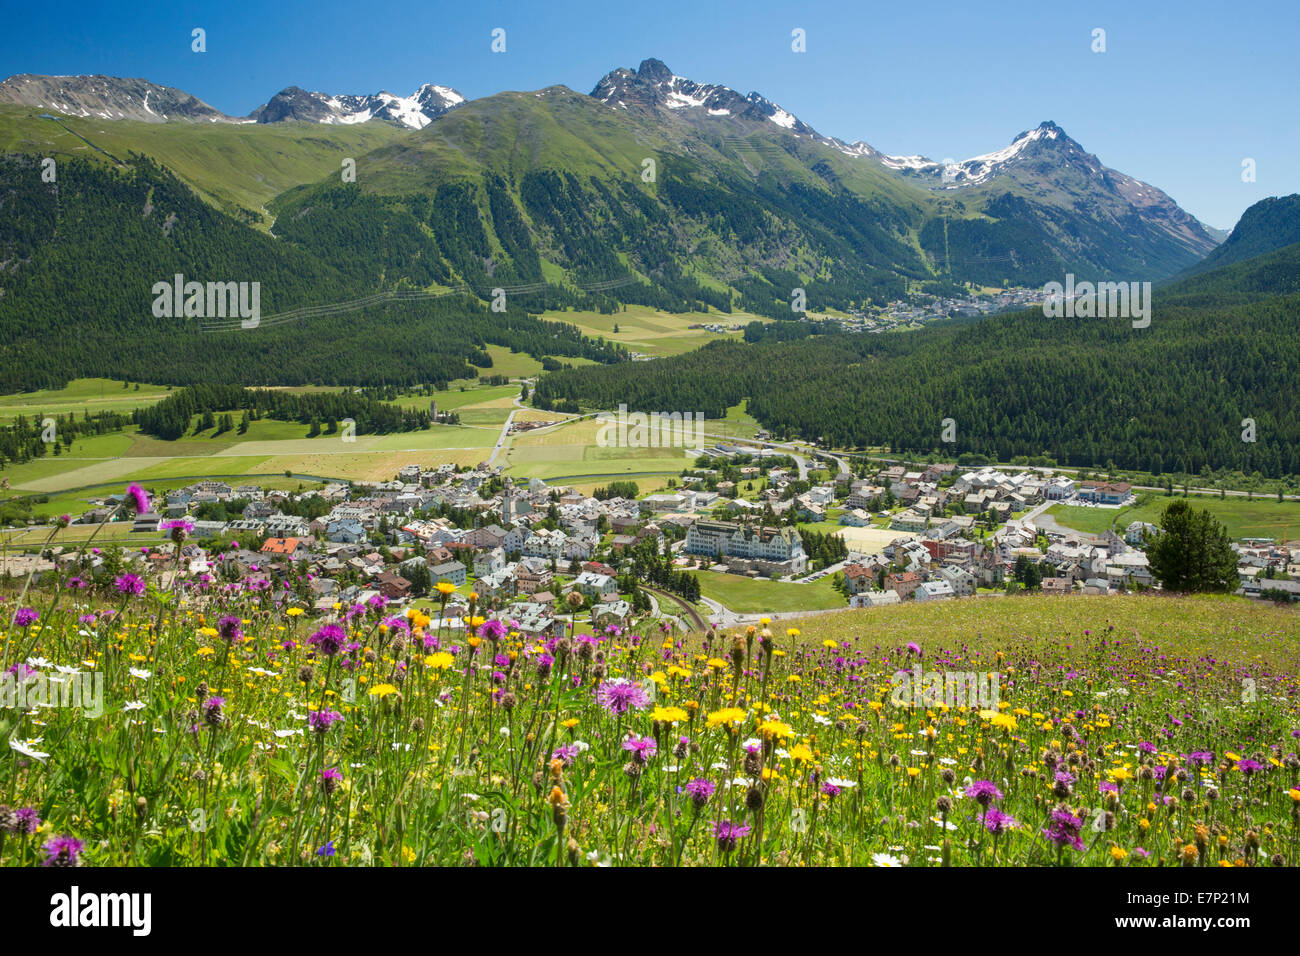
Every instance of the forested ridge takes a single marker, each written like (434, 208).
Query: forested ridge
(1172, 397)
(79, 258)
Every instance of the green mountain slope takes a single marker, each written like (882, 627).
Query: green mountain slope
(238, 168)
(1267, 225)
(78, 264)
(1220, 348)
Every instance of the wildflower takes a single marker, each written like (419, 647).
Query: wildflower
(137, 498)
(439, 661)
(130, 584)
(641, 748)
(1063, 827)
(326, 850)
(668, 715)
(62, 851)
(983, 792)
(493, 630)
(26, 617)
(699, 790)
(212, 711)
(997, 822)
(179, 529)
(229, 629)
(775, 729)
(20, 822)
(322, 720)
(729, 834)
(726, 717)
(329, 640)
(28, 748)
(619, 696)
(330, 778)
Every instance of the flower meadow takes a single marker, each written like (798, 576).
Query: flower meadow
(238, 730)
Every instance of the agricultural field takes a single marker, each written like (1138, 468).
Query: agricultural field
(81, 395)
(651, 332)
(573, 450)
(1243, 517)
(268, 448)
(1028, 731)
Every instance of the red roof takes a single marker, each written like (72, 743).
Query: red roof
(280, 545)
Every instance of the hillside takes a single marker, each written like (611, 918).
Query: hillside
(79, 260)
(1080, 391)
(1268, 225)
(682, 195)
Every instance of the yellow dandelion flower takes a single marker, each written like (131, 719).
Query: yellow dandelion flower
(726, 717)
(668, 715)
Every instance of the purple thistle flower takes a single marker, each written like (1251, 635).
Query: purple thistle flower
(179, 528)
(20, 822)
(137, 498)
(983, 792)
(618, 696)
(699, 790)
(565, 754)
(229, 629)
(322, 720)
(729, 834)
(1248, 766)
(62, 851)
(26, 617)
(1063, 828)
(130, 584)
(212, 711)
(493, 630)
(641, 748)
(997, 822)
(329, 639)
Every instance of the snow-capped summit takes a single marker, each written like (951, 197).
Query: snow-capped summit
(655, 86)
(415, 111)
(1047, 141)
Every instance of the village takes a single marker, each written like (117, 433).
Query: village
(550, 555)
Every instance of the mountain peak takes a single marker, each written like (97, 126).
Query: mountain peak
(654, 71)
(653, 86)
(415, 111)
(108, 97)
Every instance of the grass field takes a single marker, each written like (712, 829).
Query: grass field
(652, 332)
(1232, 627)
(80, 395)
(756, 596)
(1243, 517)
(574, 449)
(737, 424)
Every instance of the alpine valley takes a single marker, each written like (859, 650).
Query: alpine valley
(653, 190)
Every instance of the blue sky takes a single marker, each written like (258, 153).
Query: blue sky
(1184, 92)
